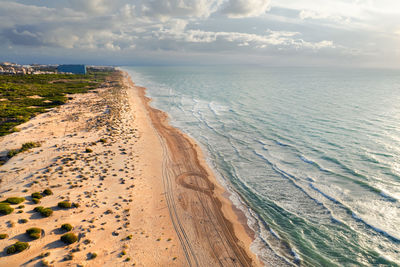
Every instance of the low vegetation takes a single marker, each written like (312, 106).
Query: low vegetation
(29, 95)
(69, 238)
(47, 192)
(5, 208)
(17, 247)
(15, 200)
(34, 232)
(3, 236)
(64, 204)
(25, 147)
(66, 227)
(92, 255)
(45, 212)
(36, 195)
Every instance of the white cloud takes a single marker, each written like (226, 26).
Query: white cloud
(245, 8)
(165, 9)
(284, 39)
(92, 6)
(303, 27)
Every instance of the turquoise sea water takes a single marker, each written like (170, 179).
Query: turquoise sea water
(314, 154)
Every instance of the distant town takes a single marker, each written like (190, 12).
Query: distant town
(8, 68)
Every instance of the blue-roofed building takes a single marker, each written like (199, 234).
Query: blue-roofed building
(74, 69)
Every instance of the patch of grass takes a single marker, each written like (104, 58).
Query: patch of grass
(15, 200)
(11, 153)
(5, 208)
(69, 238)
(17, 89)
(3, 236)
(34, 232)
(37, 195)
(47, 192)
(29, 145)
(17, 247)
(67, 227)
(25, 147)
(21, 207)
(64, 204)
(36, 200)
(45, 212)
(92, 255)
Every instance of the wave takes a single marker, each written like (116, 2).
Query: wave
(353, 214)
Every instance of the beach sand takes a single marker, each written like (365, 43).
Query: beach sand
(146, 196)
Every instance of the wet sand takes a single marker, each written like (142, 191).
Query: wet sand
(207, 224)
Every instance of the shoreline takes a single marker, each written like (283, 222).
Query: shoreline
(218, 217)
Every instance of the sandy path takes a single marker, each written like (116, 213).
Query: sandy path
(205, 222)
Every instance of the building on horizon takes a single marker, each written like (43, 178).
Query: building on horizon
(74, 69)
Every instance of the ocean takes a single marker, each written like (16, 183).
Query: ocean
(311, 154)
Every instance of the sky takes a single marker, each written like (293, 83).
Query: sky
(344, 33)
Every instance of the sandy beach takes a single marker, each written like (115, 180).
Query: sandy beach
(145, 194)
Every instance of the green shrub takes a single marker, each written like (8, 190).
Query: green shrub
(92, 255)
(69, 238)
(15, 200)
(23, 220)
(3, 236)
(76, 205)
(67, 227)
(38, 208)
(45, 212)
(103, 140)
(29, 145)
(5, 208)
(21, 207)
(34, 232)
(64, 204)
(36, 200)
(11, 153)
(47, 192)
(17, 247)
(88, 150)
(36, 195)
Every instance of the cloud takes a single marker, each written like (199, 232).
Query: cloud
(141, 27)
(92, 6)
(281, 39)
(165, 9)
(245, 8)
